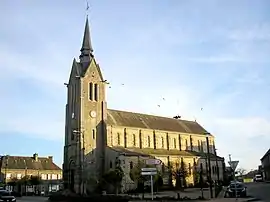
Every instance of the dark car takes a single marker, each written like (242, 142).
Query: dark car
(6, 196)
(236, 189)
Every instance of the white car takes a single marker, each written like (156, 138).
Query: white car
(258, 178)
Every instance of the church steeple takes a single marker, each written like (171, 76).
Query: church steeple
(86, 50)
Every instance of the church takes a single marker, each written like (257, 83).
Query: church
(96, 137)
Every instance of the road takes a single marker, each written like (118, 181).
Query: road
(259, 190)
(32, 199)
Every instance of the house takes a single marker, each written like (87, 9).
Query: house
(16, 168)
(265, 163)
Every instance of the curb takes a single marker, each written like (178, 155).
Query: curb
(252, 199)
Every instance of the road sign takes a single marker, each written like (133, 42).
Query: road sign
(149, 173)
(152, 161)
(233, 164)
(148, 169)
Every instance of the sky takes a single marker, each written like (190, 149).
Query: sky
(209, 60)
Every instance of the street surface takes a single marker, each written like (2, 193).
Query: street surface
(260, 190)
(32, 199)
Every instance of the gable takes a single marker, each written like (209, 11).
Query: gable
(75, 70)
(86, 67)
(137, 120)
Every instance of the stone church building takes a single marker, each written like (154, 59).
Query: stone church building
(95, 136)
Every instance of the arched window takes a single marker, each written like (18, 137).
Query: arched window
(110, 164)
(93, 134)
(162, 142)
(174, 143)
(90, 91)
(118, 139)
(96, 92)
(130, 165)
(149, 141)
(134, 140)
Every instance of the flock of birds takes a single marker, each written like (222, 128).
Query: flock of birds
(158, 105)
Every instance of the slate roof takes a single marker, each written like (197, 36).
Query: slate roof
(22, 162)
(266, 154)
(155, 152)
(137, 120)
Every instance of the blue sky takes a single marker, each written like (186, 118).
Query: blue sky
(196, 54)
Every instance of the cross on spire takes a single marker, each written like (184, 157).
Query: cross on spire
(87, 8)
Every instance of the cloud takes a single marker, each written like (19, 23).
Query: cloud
(187, 57)
(259, 32)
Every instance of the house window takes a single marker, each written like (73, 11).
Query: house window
(189, 168)
(90, 91)
(202, 149)
(174, 143)
(186, 144)
(59, 176)
(93, 134)
(162, 142)
(199, 146)
(43, 176)
(96, 92)
(8, 175)
(149, 141)
(54, 177)
(19, 176)
(48, 176)
(118, 139)
(134, 140)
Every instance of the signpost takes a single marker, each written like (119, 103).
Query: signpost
(233, 165)
(151, 172)
(153, 162)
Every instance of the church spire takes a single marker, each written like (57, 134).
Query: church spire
(86, 50)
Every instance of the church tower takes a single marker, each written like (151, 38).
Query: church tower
(85, 129)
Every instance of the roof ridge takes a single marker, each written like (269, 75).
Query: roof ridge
(158, 116)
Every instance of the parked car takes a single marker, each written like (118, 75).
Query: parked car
(236, 189)
(6, 196)
(258, 178)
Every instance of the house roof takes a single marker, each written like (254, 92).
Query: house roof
(266, 154)
(22, 162)
(137, 120)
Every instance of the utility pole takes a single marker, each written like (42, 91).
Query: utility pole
(209, 167)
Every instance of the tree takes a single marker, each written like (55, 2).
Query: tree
(241, 171)
(135, 175)
(25, 180)
(13, 182)
(114, 177)
(179, 172)
(35, 180)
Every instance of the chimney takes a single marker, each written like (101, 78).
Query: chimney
(35, 156)
(50, 158)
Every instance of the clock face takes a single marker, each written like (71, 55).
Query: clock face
(93, 114)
